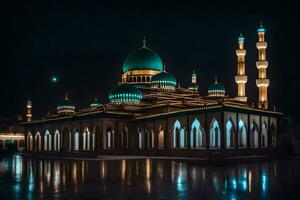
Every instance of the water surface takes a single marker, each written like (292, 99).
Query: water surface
(24, 178)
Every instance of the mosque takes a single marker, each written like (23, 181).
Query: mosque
(149, 113)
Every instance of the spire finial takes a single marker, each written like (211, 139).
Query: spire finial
(164, 70)
(216, 79)
(144, 42)
(261, 24)
(66, 98)
(241, 34)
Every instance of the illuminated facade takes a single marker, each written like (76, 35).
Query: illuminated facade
(241, 78)
(29, 111)
(262, 64)
(149, 114)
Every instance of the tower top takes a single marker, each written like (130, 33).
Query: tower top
(66, 96)
(216, 79)
(241, 38)
(144, 42)
(164, 70)
(261, 29)
(194, 73)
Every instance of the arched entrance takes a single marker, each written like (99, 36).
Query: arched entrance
(29, 144)
(47, 141)
(161, 136)
(215, 135)
(57, 144)
(141, 139)
(196, 135)
(254, 135)
(242, 134)
(76, 140)
(66, 139)
(230, 134)
(37, 141)
(264, 135)
(109, 138)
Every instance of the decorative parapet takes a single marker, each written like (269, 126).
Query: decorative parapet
(241, 79)
(261, 45)
(240, 52)
(262, 64)
(262, 82)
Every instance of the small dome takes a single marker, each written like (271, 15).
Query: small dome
(216, 90)
(66, 106)
(164, 80)
(125, 94)
(143, 59)
(96, 103)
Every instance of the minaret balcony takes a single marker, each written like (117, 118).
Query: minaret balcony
(262, 64)
(240, 52)
(262, 82)
(261, 45)
(241, 79)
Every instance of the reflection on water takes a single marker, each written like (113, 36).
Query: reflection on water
(155, 179)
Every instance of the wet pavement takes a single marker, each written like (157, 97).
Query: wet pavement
(25, 178)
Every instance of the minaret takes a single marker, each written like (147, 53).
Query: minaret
(262, 82)
(241, 78)
(194, 77)
(194, 87)
(29, 112)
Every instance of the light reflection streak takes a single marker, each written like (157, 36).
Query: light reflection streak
(37, 177)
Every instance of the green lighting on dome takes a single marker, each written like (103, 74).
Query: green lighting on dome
(125, 94)
(143, 59)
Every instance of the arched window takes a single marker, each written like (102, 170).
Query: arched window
(141, 139)
(254, 135)
(264, 135)
(56, 141)
(86, 139)
(176, 132)
(47, 141)
(273, 133)
(124, 138)
(66, 139)
(76, 140)
(29, 144)
(37, 140)
(215, 134)
(230, 134)
(151, 139)
(182, 138)
(109, 139)
(196, 135)
(242, 134)
(161, 136)
(179, 135)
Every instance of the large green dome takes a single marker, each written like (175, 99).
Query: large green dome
(125, 93)
(143, 59)
(164, 80)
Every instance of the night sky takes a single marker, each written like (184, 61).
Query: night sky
(85, 44)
